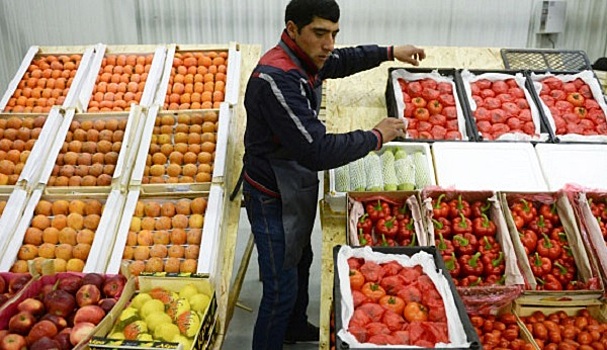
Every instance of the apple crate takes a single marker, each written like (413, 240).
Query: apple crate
(185, 147)
(107, 337)
(48, 76)
(400, 200)
(92, 152)
(591, 218)
(570, 127)
(511, 108)
(486, 297)
(169, 232)
(74, 231)
(121, 76)
(66, 305)
(421, 175)
(11, 284)
(459, 329)
(405, 85)
(199, 77)
(565, 230)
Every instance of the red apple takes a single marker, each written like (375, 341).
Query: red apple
(2, 285)
(21, 323)
(13, 342)
(18, 282)
(70, 284)
(112, 287)
(34, 306)
(59, 321)
(88, 294)
(80, 332)
(63, 339)
(93, 278)
(44, 328)
(59, 302)
(89, 313)
(47, 288)
(107, 304)
(45, 343)
(3, 333)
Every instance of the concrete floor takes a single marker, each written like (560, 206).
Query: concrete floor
(240, 329)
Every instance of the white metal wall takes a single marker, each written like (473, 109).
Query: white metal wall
(495, 23)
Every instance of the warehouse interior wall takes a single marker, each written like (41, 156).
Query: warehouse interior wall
(490, 23)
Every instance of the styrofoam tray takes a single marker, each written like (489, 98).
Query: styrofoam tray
(582, 164)
(488, 166)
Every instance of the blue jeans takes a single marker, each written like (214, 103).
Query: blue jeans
(284, 298)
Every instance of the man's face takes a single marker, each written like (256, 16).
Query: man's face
(316, 39)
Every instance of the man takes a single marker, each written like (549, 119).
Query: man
(286, 145)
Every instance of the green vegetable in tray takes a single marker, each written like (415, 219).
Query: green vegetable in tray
(422, 173)
(388, 171)
(358, 178)
(405, 173)
(373, 169)
(342, 179)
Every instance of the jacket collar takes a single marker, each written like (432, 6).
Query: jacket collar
(294, 50)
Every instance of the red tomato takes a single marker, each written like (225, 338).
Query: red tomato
(356, 279)
(424, 125)
(392, 303)
(483, 126)
(516, 92)
(580, 112)
(483, 84)
(522, 103)
(452, 125)
(478, 101)
(492, 103)
(575, 129)
(430, 94)
(421, 113)
(428, 83)
(587, 124)
(456, 135)
(569, 87)
(558, 95)
(406, 97)
(498, 129)
(444, 88)
(487, 93)
(505, 98)
(497, 116)
(474, 89)
(514, 123)
(434, 107)
(591, 104)
(578, 83)
(415, 312)
(373, 291)
(585, 91)
(529, 128)
(426, 135)
(446, 100)
(438, 132)
(438, 119)
(511, 82)
(414, 89)
(511, 109)
(575, 99)
(548, 100)
(563, 106)
(482, 113)
(499, 87)
(450, 112)
(409, 108)
(419, 102)
(553, 83)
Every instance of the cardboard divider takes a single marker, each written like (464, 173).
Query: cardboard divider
(104, 223)
(233, 74)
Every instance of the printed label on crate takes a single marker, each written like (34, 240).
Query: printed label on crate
(106, 343)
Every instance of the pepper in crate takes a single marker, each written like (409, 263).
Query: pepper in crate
(386, 223)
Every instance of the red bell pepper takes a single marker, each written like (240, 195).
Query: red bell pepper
(387, 242)
(386, 226)
(494, 265)
(409, 242)
(603, 227)
(495, 279)
(440, 209)
(566, 257)
(465, 244)
(558, 234)
(406, 229)
(540, 225)
(444, 246)
(479, 207)
(562, 273)
(377, 210)
(452, 265)
(365, 224)
(549, 213)
(472, 265)
(442, 226)
(548, 247)
(482, 226)
(471, 281)
(528, 239)
(603, 209)
(525, 210)
(518, 221)
(458, 207)
(549, 282)
(488, 245)
(401, 212)
(461, 225)
(364, 239)
(540, 265)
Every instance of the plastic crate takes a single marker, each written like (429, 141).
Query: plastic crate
(552, 60)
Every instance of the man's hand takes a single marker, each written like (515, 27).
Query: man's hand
(391, 128)
(409, 54)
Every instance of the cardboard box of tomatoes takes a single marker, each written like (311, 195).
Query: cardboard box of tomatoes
(397, 296)
(502, 329)
(430, 102)
(549, 248)
(386, 219)
(501, 106)
(470, 233)
(573, 105)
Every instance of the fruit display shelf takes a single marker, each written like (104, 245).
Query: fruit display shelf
(550, 218)
(199, 77)
(185, 147)
(75, 231)
(91, 152)
(161, 312)
(169, 231)
(48, 76)
(121, 76)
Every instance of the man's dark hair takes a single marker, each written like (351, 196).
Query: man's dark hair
(302, 12)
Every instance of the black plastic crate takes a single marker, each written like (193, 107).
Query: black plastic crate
(392, 108)
(551, 60)
(471, 334)
(544, 126)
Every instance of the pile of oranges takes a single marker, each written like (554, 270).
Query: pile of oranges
(197, 81)
(45, 84)
(61, 230)
(17, 138)
(120, 82)
(165, 235)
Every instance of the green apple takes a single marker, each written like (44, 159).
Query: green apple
(150, 306)
(199, 302)
(186, 342)
(177, 307)
(166, 332)
(139, 300)
(188, 323)
(187, 291)
(157, 318)
(145, 337)
(116, 335)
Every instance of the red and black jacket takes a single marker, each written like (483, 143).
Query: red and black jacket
(282, 101)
